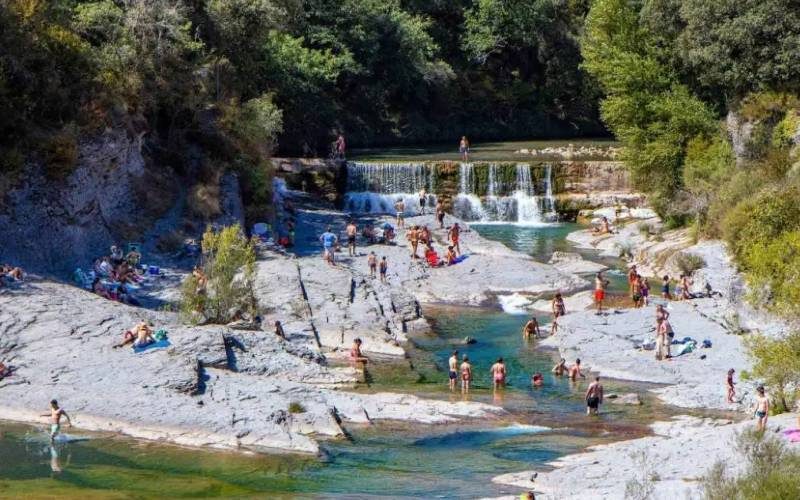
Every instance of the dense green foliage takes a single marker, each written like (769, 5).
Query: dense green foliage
(670, 71)
(381, 71)
(229, 267)
(771, 472)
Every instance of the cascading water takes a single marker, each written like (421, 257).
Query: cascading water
(503, 202)
(505, 195)
(376, 187)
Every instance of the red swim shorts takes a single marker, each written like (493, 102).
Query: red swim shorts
(599, 295)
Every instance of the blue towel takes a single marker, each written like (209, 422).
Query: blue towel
(161, 344)
(460, 258)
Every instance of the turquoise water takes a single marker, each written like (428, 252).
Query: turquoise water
(384, 460)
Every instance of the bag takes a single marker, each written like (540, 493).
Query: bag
(160, 335)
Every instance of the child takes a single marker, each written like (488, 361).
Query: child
(383, 268)
(731, 384)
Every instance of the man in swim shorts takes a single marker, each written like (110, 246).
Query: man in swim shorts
(600, 285)
(440, 214)
(453, 370)
(594, 396)
(351, 231)
(400, 208)
(55, 419)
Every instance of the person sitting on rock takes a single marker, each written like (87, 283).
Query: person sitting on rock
(116, 255)
(432, 257)
(102, 267)
(451, 256)
(144, 335)
(12, 272)
(369, 233)
(133, 258)
(356, 357)
(425, 235)
(605, 227)
(5, 371)
(101, 290)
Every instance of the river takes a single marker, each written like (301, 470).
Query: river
(387, 459)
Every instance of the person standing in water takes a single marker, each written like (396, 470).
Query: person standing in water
(561, 368)
(498, 374)
(531, 328)
(575, 371)
(594, 396)
(452, 364)
(55, 415)
(466, 374)
(400, 208)
(453, 235)
(600, 285)
(463, 148)
(440, 214)
(423, 196)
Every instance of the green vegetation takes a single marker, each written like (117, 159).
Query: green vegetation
(229, 270)
(295, 407)
(776, 363)
(771, 472)
(671, 70)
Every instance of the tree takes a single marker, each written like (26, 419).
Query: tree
(776, 362)
(229, 267)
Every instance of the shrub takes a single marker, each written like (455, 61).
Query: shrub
(762, 219)
(295, 407)
(776, 363)
(785, 131)
(644, 229)
(773, 271)
(688, 263)
(229, 266)
(771, 471)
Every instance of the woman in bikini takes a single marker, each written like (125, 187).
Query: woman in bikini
(466, 374)
(498, 373)
(558, 311)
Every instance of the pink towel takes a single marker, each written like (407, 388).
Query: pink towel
(792, 435)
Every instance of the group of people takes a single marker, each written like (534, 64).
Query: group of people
(113, 273)
(9, 273)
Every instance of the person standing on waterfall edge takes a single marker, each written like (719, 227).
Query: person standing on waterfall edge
(340, 147)
(463, 148)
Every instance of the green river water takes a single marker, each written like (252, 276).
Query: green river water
(384, 460)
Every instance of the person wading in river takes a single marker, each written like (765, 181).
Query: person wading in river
(594, 396)
(531, 328)
(55, 415)
(498, 374)
(452, 365)
(466, 374)
(575, 371)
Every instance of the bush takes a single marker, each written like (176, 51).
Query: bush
(771, 471)
(295, 407)
(229, 266)
(776, 363)
(688, 263)
(785, 131)
(762, 219)
(773, 271)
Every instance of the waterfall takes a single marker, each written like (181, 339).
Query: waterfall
(493, 193)
(519, 203)
(374, 188)
(467, 205)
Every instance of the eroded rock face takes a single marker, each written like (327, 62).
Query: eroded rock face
(49, 225)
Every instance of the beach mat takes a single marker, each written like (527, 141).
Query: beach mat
(161, 344)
